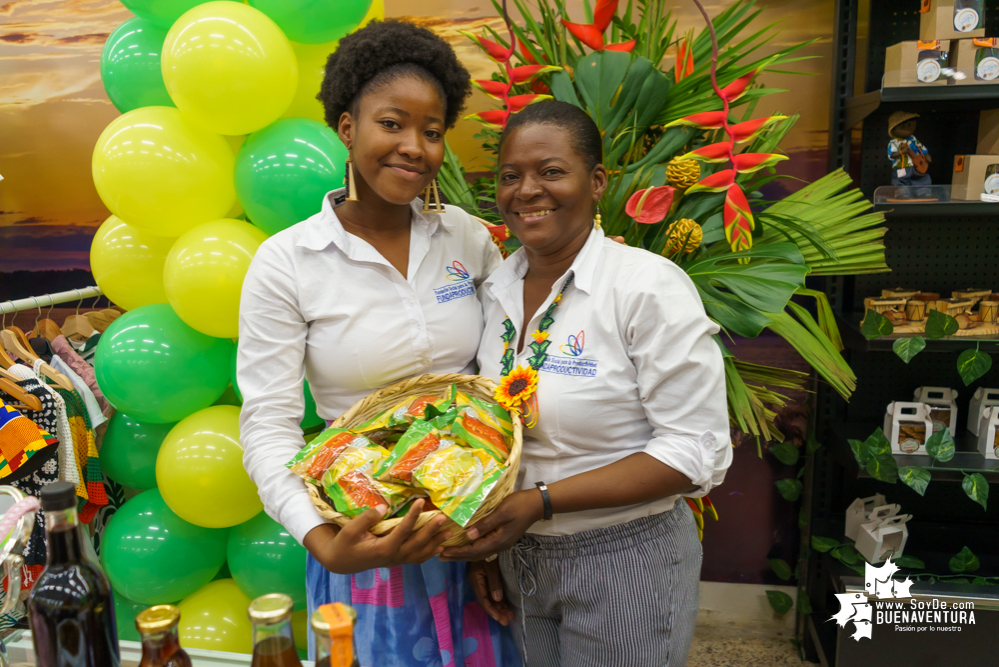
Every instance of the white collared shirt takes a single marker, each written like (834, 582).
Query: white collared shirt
(321, 303)
(631, 368)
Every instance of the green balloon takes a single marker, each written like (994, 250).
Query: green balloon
(265, 558)
(152, 555)
(125, 611)
(284, 170)
(161, 12)
(314, 21)
(130, 66)
(128, 455)
(153, 367)
(311, 418)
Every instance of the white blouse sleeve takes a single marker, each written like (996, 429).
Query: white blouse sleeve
(681, 374)
(270, 370)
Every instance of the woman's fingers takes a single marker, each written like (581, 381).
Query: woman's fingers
(362, 523)
(479, 580)
(494, 579)
(395, 539)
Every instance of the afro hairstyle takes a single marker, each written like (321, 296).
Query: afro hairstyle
(583, 132)
(383, 51)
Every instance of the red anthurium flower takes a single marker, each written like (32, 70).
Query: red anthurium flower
(587, 33)
(603, 14)
(621, 46)
(719, 152)
(499, 231)
(742, 132)
(650, 205)
(738, 218)
(525, 73)
(495, 117)
(496, 89)
(706, 120)
(716, 182)
(497, 52)
(737, 88)
(518, 102)
(747, 163)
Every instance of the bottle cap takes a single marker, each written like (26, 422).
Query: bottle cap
(160, 618)
(321, 617)
(271, 608)
(58, 496)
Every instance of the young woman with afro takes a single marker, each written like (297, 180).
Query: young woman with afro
(371, 290)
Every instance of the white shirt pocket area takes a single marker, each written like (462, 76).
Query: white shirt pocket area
(632, 367)
(320, 303)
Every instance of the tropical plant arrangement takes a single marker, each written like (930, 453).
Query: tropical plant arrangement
(679, 186)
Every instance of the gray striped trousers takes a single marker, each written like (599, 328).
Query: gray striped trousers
(623, 596)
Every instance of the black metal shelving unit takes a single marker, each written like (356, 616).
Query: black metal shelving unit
(935, 247)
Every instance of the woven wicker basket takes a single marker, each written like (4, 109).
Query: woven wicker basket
(389, 397)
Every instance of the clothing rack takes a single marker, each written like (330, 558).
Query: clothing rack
(50, 299)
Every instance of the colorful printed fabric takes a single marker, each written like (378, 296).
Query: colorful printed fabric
(20, 439)
(414, 616)
(90, 489)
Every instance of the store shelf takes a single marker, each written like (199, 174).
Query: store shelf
(966, 455)
(860, 107)
(853, 339)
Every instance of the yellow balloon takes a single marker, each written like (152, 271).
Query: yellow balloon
(300, 629)
(128, 264)
(200, 474)
(229, 67)
(204, 272)
(161, 173)
(235, 142)
(214, 618)
(376, 11)
(311, 70)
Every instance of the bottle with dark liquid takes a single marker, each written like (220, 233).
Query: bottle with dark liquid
(70, 607)
(333, 626)
(160, 644)
(273, 642)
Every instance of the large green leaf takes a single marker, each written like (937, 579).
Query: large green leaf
(907, 348)
(964, 561)
(940, 445)
(780, 601)
(939, 325)
(973, 364)
(915, 477)
(601, 83)
(977, 488)
(824, 544)
(875, 325)
(789, 489)
(910, 562)
(874, 455)
(780, 568)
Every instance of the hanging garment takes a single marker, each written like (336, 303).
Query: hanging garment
(116, 498)
(68, 354)
(91, 488)
(20, 439)
(68, 471)
(93, 407)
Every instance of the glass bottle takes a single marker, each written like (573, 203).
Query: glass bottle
(273, 642)
(70, 608)
(160, 644)
(333, 626)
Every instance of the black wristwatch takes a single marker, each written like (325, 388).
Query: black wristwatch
(546, 499)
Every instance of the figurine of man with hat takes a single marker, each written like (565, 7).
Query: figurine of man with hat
(905, 151)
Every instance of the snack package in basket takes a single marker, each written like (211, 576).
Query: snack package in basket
(419, 440)
(351, 486)
(458, 479)
(484, 425)
(315, 458)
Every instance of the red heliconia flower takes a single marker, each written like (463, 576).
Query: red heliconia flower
(495, 89)
(684, 66)
(706, 120)
(621, 46)
(496, 51)
(650, 205)
(587, 33)
(525, 73)
(495, 117)
(501, 232)
(716, 182)
(737, 88)
(742, 132)
(738, 218)
(526, 53)
(518, 102)
(719, 152)
(747, 163)
(603, 14)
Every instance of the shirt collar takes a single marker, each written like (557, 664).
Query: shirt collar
(583, 267)
(325, 227)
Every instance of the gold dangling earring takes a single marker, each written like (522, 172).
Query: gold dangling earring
(597, 221)
(432, 192)
(348, 180)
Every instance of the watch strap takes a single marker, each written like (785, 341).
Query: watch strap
(546, 499)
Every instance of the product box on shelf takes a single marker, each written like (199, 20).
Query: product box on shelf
(975, 175)
(988, 132)
(977, 59)
(943, 406)
(917, 63)
(907, 427)
(951, 19)
(983, 399)
(884, 535)
(859, 512)
(988, 430)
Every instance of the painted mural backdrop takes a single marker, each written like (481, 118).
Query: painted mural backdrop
(53, 107)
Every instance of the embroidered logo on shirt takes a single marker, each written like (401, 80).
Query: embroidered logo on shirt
(574, 347)
(460, 284)
(457, 272)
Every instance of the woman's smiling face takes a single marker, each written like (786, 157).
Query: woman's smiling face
(396, 138)
(545, 191)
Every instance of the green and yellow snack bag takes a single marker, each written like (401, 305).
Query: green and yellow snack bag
(315, 458)
(349, 483)
(458, 479)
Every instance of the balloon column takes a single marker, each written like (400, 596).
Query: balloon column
(221, 143)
